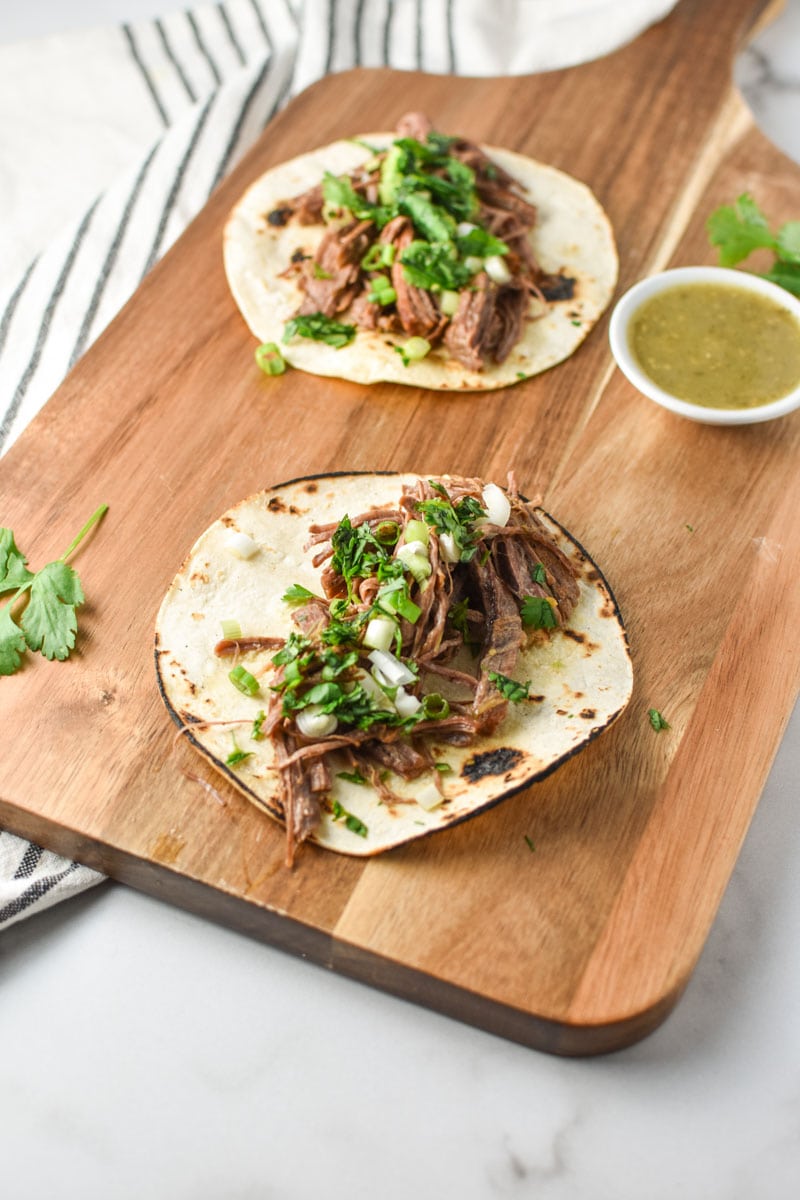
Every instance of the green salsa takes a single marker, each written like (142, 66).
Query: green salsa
(717, 345)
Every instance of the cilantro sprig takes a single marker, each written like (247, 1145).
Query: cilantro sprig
(48, 622)
(739, 229)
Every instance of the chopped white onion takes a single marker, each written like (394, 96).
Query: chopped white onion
(497, 269)
(240, 544)
(448, 548)
(375, 691)
(410, 549)
(379, 634)
(313, 722)
(428, 796)
(497, 504)
(473, 263)
(406, 703)
(465, 227)
(390, 668)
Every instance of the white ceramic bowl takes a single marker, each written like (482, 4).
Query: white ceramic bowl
(628, 304)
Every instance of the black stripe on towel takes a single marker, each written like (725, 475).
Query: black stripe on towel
(44, 327)
(13, 301)
(170, 53)
(231, 32)
(29, 861)
(33, 893)
(146, 76)
(110, 259)
(203, 48)
(172, 196)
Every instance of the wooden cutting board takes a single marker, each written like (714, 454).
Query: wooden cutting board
(585, 943)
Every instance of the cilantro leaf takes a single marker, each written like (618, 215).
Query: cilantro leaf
(786, 275)
(12, 643)
(788, 242)
(297, 594)
(739, 229)
(510, 689)
(433, 266)
(49, 622)
(538, 612)
(13, 571)
(657, 720)
(319, 328)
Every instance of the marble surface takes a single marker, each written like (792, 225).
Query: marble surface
(146, 1052)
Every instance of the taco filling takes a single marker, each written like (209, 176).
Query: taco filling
(418, 643)
(429, 238)
(420, 257)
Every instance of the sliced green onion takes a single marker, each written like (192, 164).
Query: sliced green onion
(387, 533)
(231, 629)
(415, 347)
(473, 263)
(379, 634)
(241, 678)
(380, 254)
(398, 601)
(435, 707)
(382, 291)
(448, 303)
(416, 531)
(270, 359)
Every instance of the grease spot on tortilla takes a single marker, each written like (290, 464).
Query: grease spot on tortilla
(491, 762)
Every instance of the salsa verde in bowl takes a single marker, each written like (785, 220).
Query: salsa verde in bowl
(716, 345)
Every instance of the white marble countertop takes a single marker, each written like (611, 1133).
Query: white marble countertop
(146, 1052)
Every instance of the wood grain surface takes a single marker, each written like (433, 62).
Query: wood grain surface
(585, 944)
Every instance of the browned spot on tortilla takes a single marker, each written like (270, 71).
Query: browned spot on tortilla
(608, 609)
(275, 504)
(588, 714)
(491, 762)
(311, 487)
(227, 520)
(294, 510)
(582, 640)
(592, 574)
(167, 848)
(536, 699)
(199, 577)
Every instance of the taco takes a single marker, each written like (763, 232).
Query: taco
(371, 658)
(419, 258)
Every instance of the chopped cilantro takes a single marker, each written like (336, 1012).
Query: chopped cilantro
(510, 689)
(538, 573)
(456, 519)
(352, 777)
(538, 612)
(319, 328)
(657, 720)
(297, 594)
(354, 823)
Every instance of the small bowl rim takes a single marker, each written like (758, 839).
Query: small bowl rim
(651, 285)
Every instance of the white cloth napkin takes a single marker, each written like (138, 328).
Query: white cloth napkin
(112, 140)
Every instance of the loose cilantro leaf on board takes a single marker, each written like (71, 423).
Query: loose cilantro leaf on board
(13, 569)
(12, 643)
(48, 622)
(739, 229)
(657, 720)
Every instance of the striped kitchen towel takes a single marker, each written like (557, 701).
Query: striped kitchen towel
(114, 139)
